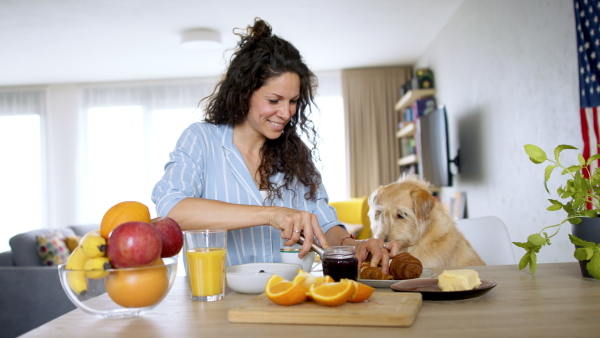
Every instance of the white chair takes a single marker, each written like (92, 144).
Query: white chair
(489, 237)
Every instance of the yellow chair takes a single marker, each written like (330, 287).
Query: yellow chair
(355, 212)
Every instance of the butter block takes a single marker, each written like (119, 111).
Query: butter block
(458, 280)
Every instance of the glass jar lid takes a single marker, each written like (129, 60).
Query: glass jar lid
(340, 251)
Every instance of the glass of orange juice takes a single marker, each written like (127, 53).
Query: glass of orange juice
(205, 253)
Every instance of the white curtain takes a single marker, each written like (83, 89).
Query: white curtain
(22, 101)
(150, 95)
(21, 201)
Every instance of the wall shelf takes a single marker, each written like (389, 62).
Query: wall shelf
(408, 160)
(407, 130)
(411, 96)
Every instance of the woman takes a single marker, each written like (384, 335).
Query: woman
(246, 169)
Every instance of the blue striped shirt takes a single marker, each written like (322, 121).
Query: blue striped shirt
(206, 164)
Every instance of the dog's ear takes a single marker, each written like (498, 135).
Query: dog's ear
(423, 203)
(373, 197)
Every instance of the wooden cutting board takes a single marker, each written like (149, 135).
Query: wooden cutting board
(382, 309)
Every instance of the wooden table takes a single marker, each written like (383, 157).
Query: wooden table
(555, 302)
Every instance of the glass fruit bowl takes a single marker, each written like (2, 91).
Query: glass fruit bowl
(119, 293)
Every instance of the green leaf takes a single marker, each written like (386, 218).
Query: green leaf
(580, 242)
(525, 246)
(536, 154)
(593, 267)
(583, 254)
(547, 174)
(592, 159)
(556, 205)
(524, 261)
(572, 169)
(559, 149)
(532, 262)
(536, 239)
(581, 159)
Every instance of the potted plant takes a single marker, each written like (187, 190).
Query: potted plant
(581, 191)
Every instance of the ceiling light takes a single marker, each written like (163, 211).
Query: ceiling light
(202, 39)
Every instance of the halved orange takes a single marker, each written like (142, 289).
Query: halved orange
(307, 279)
(283, 292)
(362, 292)
(333, 294)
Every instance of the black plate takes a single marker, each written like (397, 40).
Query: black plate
(430, 291)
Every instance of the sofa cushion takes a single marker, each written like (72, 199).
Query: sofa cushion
(52, 248)
(6, 258)
(81, 230)
(23, 246)
(72, 242)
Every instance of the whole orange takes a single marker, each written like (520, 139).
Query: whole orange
(138, 287)
(129, 211)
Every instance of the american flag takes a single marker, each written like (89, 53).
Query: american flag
(587, 19)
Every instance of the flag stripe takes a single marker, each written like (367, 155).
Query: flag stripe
(587, 24)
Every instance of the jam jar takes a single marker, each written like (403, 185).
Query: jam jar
(340, 262)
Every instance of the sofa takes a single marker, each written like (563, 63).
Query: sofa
(354, 213)
(30, 291)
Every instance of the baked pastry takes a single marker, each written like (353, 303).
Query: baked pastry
(371, 272)
(406, 266)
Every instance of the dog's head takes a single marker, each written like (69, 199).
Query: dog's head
(400, 211)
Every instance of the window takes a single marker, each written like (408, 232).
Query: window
(20, 176)
(126, 152)
(329, 121)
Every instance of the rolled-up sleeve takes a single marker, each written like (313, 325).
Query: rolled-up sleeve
(183, 175)
(326, 213)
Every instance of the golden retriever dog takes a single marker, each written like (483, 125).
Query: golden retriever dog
(406, 212)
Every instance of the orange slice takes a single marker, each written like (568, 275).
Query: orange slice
(362, 292)
(333, 294)
(283, 292)
(307, 279)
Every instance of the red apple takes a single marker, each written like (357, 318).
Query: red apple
(133, 244)
(171, 235)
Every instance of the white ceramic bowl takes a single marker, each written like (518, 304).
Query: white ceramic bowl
(154, 282)
(252, 277)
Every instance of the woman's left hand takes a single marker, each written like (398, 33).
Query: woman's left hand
(378, 251)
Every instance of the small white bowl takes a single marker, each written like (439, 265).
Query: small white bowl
(252, 277)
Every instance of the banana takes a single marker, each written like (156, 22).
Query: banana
(96, 267)
(77, 280)
(93, 244)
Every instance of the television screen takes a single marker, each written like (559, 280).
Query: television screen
(433, 148)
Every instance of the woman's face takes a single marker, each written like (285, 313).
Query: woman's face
(274, 104)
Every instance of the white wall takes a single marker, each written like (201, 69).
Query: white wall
(507, 73)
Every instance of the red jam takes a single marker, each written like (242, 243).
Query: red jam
(340, 262)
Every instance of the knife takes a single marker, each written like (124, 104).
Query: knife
(314, 247)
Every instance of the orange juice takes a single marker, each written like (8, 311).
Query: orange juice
(206, 268)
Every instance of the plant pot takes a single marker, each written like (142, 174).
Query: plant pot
(587, 230)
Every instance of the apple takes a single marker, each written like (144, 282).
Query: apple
(171, 235)
(133, 244)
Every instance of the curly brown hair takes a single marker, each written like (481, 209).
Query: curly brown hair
(260, 56)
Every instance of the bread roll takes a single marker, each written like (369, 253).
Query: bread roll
(406, 266)
(371, 272)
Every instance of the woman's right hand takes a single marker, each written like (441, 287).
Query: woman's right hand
(294, 223)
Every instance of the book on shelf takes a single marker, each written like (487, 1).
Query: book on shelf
(423, 107)
(408, 146)
(419, 108)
